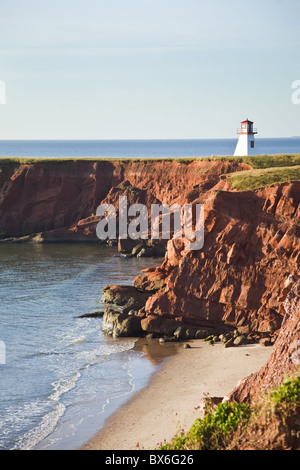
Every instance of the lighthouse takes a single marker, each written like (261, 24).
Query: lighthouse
(246, 143)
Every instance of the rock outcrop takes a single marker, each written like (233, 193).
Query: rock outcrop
(285, 357)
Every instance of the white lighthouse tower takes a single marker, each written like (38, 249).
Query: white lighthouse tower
(245, 145)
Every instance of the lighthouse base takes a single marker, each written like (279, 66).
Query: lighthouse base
(245, 145)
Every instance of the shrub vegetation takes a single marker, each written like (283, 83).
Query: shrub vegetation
(239, 425)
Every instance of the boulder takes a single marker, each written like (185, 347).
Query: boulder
(137, 248)
(201, 334)
(160, 325)
(180, 333)
(229, 343)
(96, 314)
(127, 297)
(265, 342)
(121, 324)
(145, 252)
(191, 333)
(239, 340)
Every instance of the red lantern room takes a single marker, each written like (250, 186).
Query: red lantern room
(247, 128)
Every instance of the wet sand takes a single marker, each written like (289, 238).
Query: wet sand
(170, 400)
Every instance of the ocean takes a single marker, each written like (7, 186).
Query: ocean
(60, 377)
(140, 148)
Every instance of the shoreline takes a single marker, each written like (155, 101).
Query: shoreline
(169, 401)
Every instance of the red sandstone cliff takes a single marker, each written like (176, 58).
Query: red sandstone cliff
(57, 200)
(285, 357)
(251, 248)
(41, 197)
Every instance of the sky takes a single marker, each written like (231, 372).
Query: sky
(148, 69)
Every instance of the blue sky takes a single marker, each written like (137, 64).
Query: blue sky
(134, 69)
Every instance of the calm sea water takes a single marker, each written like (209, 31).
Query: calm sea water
(141, 148)
(62, 376)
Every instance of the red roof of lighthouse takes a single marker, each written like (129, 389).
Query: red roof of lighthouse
(247, 120)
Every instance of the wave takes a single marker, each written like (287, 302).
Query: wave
(63, 385)
(78, 341)
(49, 421)
(32, 437)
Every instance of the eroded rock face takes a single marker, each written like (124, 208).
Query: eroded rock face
(285, 356)
(251, 248)
(41, 197)
(61, 197)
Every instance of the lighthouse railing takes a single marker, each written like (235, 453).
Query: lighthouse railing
(247, 131)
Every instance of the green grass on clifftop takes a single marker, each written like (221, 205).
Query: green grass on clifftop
(256, 161)
(268, 161)
(259, 178)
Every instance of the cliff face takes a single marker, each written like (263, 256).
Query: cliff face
(57, 200)
(251, 248)
(37, 198)
(285, 357)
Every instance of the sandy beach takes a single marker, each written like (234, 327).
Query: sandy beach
(170, 400)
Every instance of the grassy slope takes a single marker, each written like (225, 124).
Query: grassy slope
(258, 178)
(267, 170)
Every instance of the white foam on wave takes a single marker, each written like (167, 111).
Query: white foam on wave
(49, 421)
(63, 385)
(32, 437)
